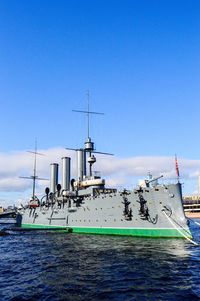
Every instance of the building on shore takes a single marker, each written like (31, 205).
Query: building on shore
(191, 205)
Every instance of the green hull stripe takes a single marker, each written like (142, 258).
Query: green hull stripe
(115, 231)
(131, 232)
(41, 227)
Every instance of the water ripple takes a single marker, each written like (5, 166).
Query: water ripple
(55, 266)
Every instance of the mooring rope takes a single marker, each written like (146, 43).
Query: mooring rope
(172, 223)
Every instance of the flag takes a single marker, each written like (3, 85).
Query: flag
(177, 169)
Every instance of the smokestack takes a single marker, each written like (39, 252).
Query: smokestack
(66, 173)
(54, 177)
(81, 156)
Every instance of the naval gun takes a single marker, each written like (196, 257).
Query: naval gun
(147, 182)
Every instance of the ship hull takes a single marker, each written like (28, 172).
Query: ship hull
(109, 214)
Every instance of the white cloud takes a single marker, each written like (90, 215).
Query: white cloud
(127, 170)
(16, 164)
(119, 172)
(140, 166)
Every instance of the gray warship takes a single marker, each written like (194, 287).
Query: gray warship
(85, 205)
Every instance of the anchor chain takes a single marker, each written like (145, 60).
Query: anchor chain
(144, 210)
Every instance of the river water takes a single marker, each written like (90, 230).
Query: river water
(40, 266)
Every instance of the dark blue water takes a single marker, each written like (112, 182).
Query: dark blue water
(43, 266)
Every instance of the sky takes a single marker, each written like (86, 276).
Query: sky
(140, 62)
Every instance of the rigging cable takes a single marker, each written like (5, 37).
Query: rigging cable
(172, 223)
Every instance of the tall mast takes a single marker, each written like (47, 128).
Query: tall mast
(88, 109)
(34, 177)
(89, 145)
(88, 113)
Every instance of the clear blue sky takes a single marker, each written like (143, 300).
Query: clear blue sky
(139, 59)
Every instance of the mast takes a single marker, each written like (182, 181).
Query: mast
(88, 113)
(89, 145)
(34, 177)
